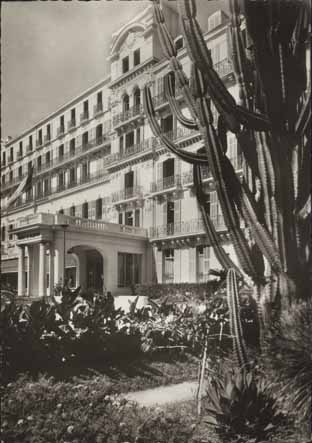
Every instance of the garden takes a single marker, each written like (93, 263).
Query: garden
(70, 360)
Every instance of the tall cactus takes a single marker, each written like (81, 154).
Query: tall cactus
(271, 122)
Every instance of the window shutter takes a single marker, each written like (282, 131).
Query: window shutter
(159, 265)
(165, 209)
(159, 175)
(92, 206)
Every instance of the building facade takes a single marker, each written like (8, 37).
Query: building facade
(109, 205)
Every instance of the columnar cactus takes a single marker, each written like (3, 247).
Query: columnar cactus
(271, 123)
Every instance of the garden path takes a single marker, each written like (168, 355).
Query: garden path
(164, 394)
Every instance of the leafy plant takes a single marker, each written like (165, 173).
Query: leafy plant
(288, 356)
(241, 407)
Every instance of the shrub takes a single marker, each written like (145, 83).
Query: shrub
(242, 408)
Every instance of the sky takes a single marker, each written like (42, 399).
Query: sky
(51, 51)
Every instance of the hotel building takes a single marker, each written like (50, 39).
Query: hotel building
(109, 204)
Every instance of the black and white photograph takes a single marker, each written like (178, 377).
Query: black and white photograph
(156, 221)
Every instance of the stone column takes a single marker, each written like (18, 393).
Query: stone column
(51, 269)
(29, 255)
(21, 272)
(42, 271)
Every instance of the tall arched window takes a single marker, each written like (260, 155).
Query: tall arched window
(137, 99)
(125, 103)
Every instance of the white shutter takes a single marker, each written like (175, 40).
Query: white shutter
(192, 264)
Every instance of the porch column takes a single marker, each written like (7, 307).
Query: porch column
(21, 272)
(51, 269)
(29, 255)
(42, 272)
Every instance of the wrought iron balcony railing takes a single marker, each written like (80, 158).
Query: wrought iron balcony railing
(98, 109)
(224, 67)
(143, 146)
(84, 116)
(71, 125)
(188, 227)
(47, 139)
(124, 116)
(166, 183)
(60, 131)
(127, 194)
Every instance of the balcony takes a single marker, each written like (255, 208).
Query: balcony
(47, 139)
(135, 111)
(187, 177)
(71, 125)
(166, 183)
(185, 228)
(19, 155)
(224, 67)
(29, 148)
(84, 117)
(138, 148)
(10, 160)
(39, 143)
(60, 131)
(135, 192)
(98, 109)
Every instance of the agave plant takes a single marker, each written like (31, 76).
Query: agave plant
(271, 123)
(241, 408)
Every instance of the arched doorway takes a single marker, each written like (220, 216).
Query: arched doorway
(90, 272)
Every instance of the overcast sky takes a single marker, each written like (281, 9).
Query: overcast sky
(53, 50)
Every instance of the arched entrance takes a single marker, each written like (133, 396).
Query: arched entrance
(90, 270)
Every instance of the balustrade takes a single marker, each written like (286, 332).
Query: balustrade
(193, 226)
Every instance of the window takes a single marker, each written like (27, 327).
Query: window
(30, 142)
(129, 269)
(203, 263)
(168, 172)
(20, 171)
(39, 189)
(85, 109)
(120, 218)
(167, 124)
(46, 184)
(40, 137)
(84, 171)
(129, 218)
(3, 179)
(136, 57)
(72, 146)
(85, 139)
(3, 233)
(129, 139)
(125, 103)
(73, 116)
(129, 179)
(138, 135)
(61, 181)
(72, 211)
(168, 266)
(21, 149)
(121, 144)
(39, 162)
(99, 101)
(178, 43)
(3, 158)
(62, 124)
(10, 232)
(48, 157)
(61, 211)
(85, 210)
(72, 176)
(99, 134)
(11, 176)
(137, 218)
(11, 155)
(48, 132)
(137, 100)
(61, 151)
(98, 208)
(219, 51)
(29, 166)
(125, 64)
